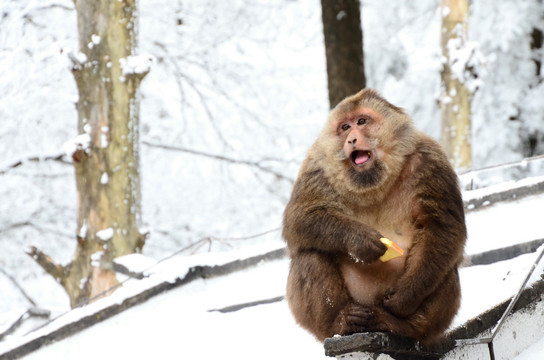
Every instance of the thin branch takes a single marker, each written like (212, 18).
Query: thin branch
(52, 268)
(32, 312)
(19, 287)
(14, 326)
(209, 239)
(54, 157)
(192, 84)
(15, 226)
(256, 164)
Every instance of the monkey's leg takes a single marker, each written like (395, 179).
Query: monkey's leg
(430, 321)
(318, 298)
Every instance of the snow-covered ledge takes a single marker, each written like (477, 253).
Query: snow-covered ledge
(511, 190)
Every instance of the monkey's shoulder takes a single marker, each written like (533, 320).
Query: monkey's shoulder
(430, 150)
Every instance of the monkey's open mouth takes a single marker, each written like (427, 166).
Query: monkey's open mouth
(359, 157)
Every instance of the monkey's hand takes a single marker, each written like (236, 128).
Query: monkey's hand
(368, 250)
(400, 302)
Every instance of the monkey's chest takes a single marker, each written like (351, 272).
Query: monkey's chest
(367, 283)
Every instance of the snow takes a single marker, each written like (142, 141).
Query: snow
(96, 258)
(535, 351)
(183, 315)
(80, 142)
(510, 223)
(179, 323)
(95, 40)
(254, 91)
(105, 234)
(104, 179)
(180, 326)
(136, 64)
(137, 263)
(480, 295)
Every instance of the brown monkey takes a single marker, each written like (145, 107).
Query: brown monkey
(371, 174)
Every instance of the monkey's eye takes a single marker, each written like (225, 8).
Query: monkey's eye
(345, 127)
(361, 121)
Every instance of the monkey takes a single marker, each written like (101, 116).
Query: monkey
(372, 174)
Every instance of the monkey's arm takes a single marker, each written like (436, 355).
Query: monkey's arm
(439, 236)
(313, 220)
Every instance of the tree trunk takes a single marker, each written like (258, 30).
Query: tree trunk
(106, 157)
(343, 48)
(455, 99)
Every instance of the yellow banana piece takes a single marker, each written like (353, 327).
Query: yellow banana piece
(393, 250)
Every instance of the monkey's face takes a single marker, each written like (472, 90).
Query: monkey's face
(355, 134)
(364, 143)
(358, 133)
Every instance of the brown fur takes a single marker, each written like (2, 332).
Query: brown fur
(338, 211)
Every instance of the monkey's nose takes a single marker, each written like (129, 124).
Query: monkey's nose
(352, 142)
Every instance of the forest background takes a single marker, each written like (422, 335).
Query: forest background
(236, 94)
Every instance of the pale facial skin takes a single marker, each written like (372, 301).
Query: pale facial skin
(357, 132)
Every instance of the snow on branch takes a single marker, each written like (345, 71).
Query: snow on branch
(77, 145)
(32, 312)
(136, 64)
(467, 62)
(78, 59)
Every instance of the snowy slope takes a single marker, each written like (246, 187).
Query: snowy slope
(245, 80)
(179, 322)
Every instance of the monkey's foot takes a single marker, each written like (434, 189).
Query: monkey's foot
(352, 319)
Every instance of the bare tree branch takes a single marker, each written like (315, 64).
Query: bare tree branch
(52, 268)
(16, 284)
(15, 226)
(209, 239)
(256, 164)
(54, 157)
(32, 312)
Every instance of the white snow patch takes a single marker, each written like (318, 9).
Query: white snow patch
(509, 223)
(105, 235)
(104, 141)
(95, 39)
(136, 64)
(137, 263)
(83, 230)
(80, 142)
(82, 282)
(78, 57)
(341, 15)
(534, 352)
(492, 189)
(96, 258)
(485, 286)
(104, 179)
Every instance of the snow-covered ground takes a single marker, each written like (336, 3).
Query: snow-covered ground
(179, 323)
(245, 80)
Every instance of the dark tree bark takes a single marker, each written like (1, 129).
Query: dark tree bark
(344, 48)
